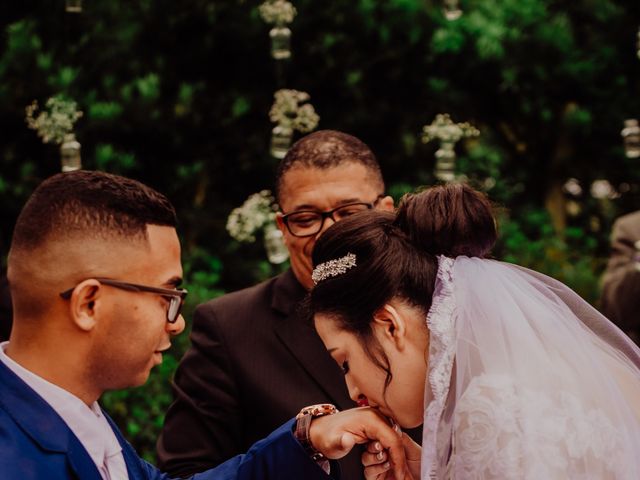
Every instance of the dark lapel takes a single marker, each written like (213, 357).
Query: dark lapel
(43, 424)
(300, 338)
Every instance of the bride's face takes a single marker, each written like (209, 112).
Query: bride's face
(401, 333)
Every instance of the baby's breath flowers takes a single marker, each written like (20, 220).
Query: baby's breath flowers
(258, 214)
(55, 121)
(287, 111)
(288, 114)
(255, 213)
(445, 130)
(277, 12)
(448, 134)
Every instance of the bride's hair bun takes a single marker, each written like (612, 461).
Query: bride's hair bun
(451, 220)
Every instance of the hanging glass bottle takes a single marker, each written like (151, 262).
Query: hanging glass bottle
(631, 137)
(274, 244)
(452, 9)
(279, 13)
(281, 137)
(70, 154)
(280, 42)
(290, 112)
(73, 6)
(447, 133)
(445, 162)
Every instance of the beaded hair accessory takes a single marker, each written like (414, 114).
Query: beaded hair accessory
(333, 268)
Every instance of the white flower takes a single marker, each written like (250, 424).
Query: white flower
(287, 111)
(278, 12)
(258, 211)
(55, 121)
(572, 187)
(445, 130)
(601, 189)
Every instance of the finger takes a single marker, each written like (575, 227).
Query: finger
(374, 447)
(369, 458)
(347, 441)
(396, 427)
(391, 441)
(412, 451)
(377, 472)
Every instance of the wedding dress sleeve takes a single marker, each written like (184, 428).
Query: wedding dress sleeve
(526, 380)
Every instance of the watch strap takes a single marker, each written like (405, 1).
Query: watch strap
(303, 425)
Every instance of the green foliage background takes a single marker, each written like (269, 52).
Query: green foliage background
(177, 94)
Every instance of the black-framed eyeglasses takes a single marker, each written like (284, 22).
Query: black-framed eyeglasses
(305, 223)
(175, 296)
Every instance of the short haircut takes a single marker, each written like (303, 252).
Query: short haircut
(92, 204)
(327, 149)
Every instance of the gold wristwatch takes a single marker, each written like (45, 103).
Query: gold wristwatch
(303, 423)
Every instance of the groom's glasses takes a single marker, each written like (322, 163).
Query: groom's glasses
(305, 223)
(174, 296)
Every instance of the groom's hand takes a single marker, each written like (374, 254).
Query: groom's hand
(335, 436)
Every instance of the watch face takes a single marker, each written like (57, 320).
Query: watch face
(318, 410)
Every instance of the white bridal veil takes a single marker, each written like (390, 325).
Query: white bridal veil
(526, 380)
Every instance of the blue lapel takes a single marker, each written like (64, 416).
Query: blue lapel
(43, 424)
(131, 458)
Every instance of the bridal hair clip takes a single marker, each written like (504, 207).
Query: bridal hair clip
(333, 268)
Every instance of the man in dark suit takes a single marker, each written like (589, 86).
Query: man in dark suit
(251, 347)
(620, 300)
(94, 269)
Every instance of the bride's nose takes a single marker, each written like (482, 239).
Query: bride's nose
(354, 392)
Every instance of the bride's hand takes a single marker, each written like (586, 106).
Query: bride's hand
(376, 463)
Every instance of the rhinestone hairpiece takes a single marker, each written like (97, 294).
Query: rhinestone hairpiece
(333, 268)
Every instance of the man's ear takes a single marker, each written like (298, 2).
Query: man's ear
(389, 325)
(386, 204)
(281, 226)
(84, 304)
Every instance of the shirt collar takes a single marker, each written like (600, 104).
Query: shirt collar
(87, 422)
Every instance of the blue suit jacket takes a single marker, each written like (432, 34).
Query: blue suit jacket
(36, 444)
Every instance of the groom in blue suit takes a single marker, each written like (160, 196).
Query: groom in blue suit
(94, 270)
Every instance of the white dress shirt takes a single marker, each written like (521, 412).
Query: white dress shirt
(86, 422)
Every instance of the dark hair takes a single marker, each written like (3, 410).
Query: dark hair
(89, 203)
(449, 220)
(396, 256)
(327, 149)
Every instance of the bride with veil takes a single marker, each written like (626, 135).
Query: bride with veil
(511, 374)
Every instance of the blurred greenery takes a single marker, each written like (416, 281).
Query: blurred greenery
(177, 94)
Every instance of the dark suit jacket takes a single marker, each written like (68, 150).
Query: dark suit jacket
(620, 300)
(252, 365)
(36, 444)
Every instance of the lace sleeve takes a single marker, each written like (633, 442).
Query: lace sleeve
(505, 431)
(525, 381)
